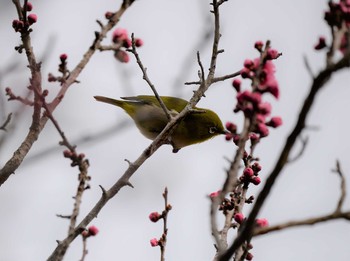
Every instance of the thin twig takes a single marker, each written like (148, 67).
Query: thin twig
(342, 187)
(304, 143)
(163, 240)
(146, 78)
(6, 122)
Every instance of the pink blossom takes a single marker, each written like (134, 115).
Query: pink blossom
(63, 57)
(262, 129)
(32, 18)
(231, 127)
(261, 222)
(93, 230)
(273, 89)
(239, 217)
(154, 242)
(259, 45)
(272, 54)
(245, 73)
(255, 180)
(138, 42)
(122, 56)
(248, 172)
(119, 35)
(249, 256)
(253, 137)
(154, 216)
(255, 97)
(256, 167)
(260, 118)
(236, 83)
(249, 64)
(275, 122)
(29, 6)
(265, 108)
(215, 194)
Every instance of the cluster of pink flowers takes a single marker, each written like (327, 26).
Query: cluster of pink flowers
(20, 25)
(261, 73)
(337, 16)
(121, 39)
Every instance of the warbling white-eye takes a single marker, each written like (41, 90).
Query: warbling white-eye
(150, 119)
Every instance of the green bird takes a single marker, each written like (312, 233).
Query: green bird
(150, 119)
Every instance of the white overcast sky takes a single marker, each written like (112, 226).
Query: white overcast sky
(172, 31)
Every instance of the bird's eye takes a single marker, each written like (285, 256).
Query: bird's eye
(212, 130)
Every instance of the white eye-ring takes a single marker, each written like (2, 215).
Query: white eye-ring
(212, 130)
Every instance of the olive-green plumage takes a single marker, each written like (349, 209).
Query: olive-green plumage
(150, 119)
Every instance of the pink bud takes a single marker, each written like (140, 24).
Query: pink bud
(272, 54)
(256, 167)
(119, 35)
(249, 256)
(154, 216)
(215, 194)
(259, 45)
(249, 64)
(255, 180)
(85, 233)
(253, 137)
(275, 122)
(122, 56)
(239, 217)
(29, 7)
(236, 83)
(93, 230)
(262, 129)
(261, 222)
(63, 57)
(108, 15)
(265, 108)
(138, 42)
(32, 18)
(245, 73)
(154, 242)
(248, 172)
(231, 127)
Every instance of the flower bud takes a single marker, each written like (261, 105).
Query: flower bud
(138, 42)
(108, 15)
(154, 242)
(154, 216)
(249, 256)
(255, 180)
(63, 57)
(32, 18)
(259, 45)
(262, 222)
(239, 217)
(236, 83)
(93, 230)
(274, 122)
(248, 172)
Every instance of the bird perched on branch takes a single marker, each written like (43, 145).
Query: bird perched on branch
(198, 126)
